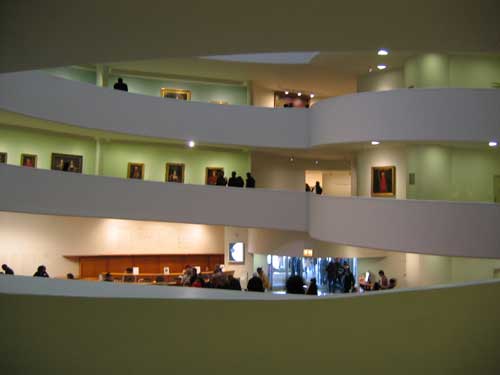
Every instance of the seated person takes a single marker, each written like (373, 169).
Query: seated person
(392, 283)
(70, 276)
(108, 277)
(255, 284)
(295, 285)
(41, 272)
(7, 269)
(313, 288)
(129, 278)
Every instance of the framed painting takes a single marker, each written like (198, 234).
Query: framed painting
(384, 181)
(67, 163)
(28, 160)
(135, 171)
(3, 157)
(211, 175)
(236, 253)
(176, 94)
(174, 173)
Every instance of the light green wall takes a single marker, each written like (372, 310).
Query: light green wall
(441, 70)
(452, 173)
(381, 81)
(117, 155)
(200, 92)
(443, 331)
(16, 140)
(75, 74)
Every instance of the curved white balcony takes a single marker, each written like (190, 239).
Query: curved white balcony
(411, 115)
(427, 227)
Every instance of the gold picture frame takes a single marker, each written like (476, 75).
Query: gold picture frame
(29, 160)
(135, 171)
(211, 175)
(177, 94)
(174, 172)
(383, 181)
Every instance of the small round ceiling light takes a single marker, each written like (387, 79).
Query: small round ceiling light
(493, 144)
(287, 92)
(291, 159)
(299, 94)
(382, 52)
(374, 143)
(311, 96)
(316, 162)
(191, 144)
(381, 66)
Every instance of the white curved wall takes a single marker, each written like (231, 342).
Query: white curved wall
(429, 227)
(409, 114)
(61, 193)
(41, 95)
(412, 115)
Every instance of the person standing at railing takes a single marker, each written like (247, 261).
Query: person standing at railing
(120, 85)
(250, 181)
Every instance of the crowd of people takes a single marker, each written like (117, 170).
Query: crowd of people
(340, 279)
(315, 189)
(235, 180)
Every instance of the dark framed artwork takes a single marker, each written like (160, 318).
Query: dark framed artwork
(177, 94)
(290, 100)
(28, 160)
(135, 171)
(174, 173)
(211, 175)
(384, 181)
(67, 163)
(236, 253)
(3, 157)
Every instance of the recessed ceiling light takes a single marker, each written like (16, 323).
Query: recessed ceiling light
(382, 52)
(286, 92)
(311, 95)
(375, 143)
(370, 69)
(299, 94)
(191, 144)
(291, 159)
(316, 162)
(381, 67)
(493, 144)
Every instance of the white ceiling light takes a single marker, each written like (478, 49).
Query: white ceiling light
(370, 69)
(381, 66)
(382, 52)
(191, 144)
(375, 143)
(316, 162)
(299, 94)
(311, 95)
(291, 159)
(493, 144)
(286, 92)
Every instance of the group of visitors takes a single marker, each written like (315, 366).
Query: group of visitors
(234, 180)
(384, 282)
(340, 278)
(315, 189)
(40, 272)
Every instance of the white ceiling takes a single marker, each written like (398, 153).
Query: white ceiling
(59, 33)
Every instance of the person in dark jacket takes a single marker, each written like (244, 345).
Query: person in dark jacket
(348, 279)
(120, 85)
(318, 189)
(221, 180)
(7, 269)
(41, 272)
(233, 180)
(313, 288)
(250, 181)
(239, 182)
(255, 285)
(295, 285)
